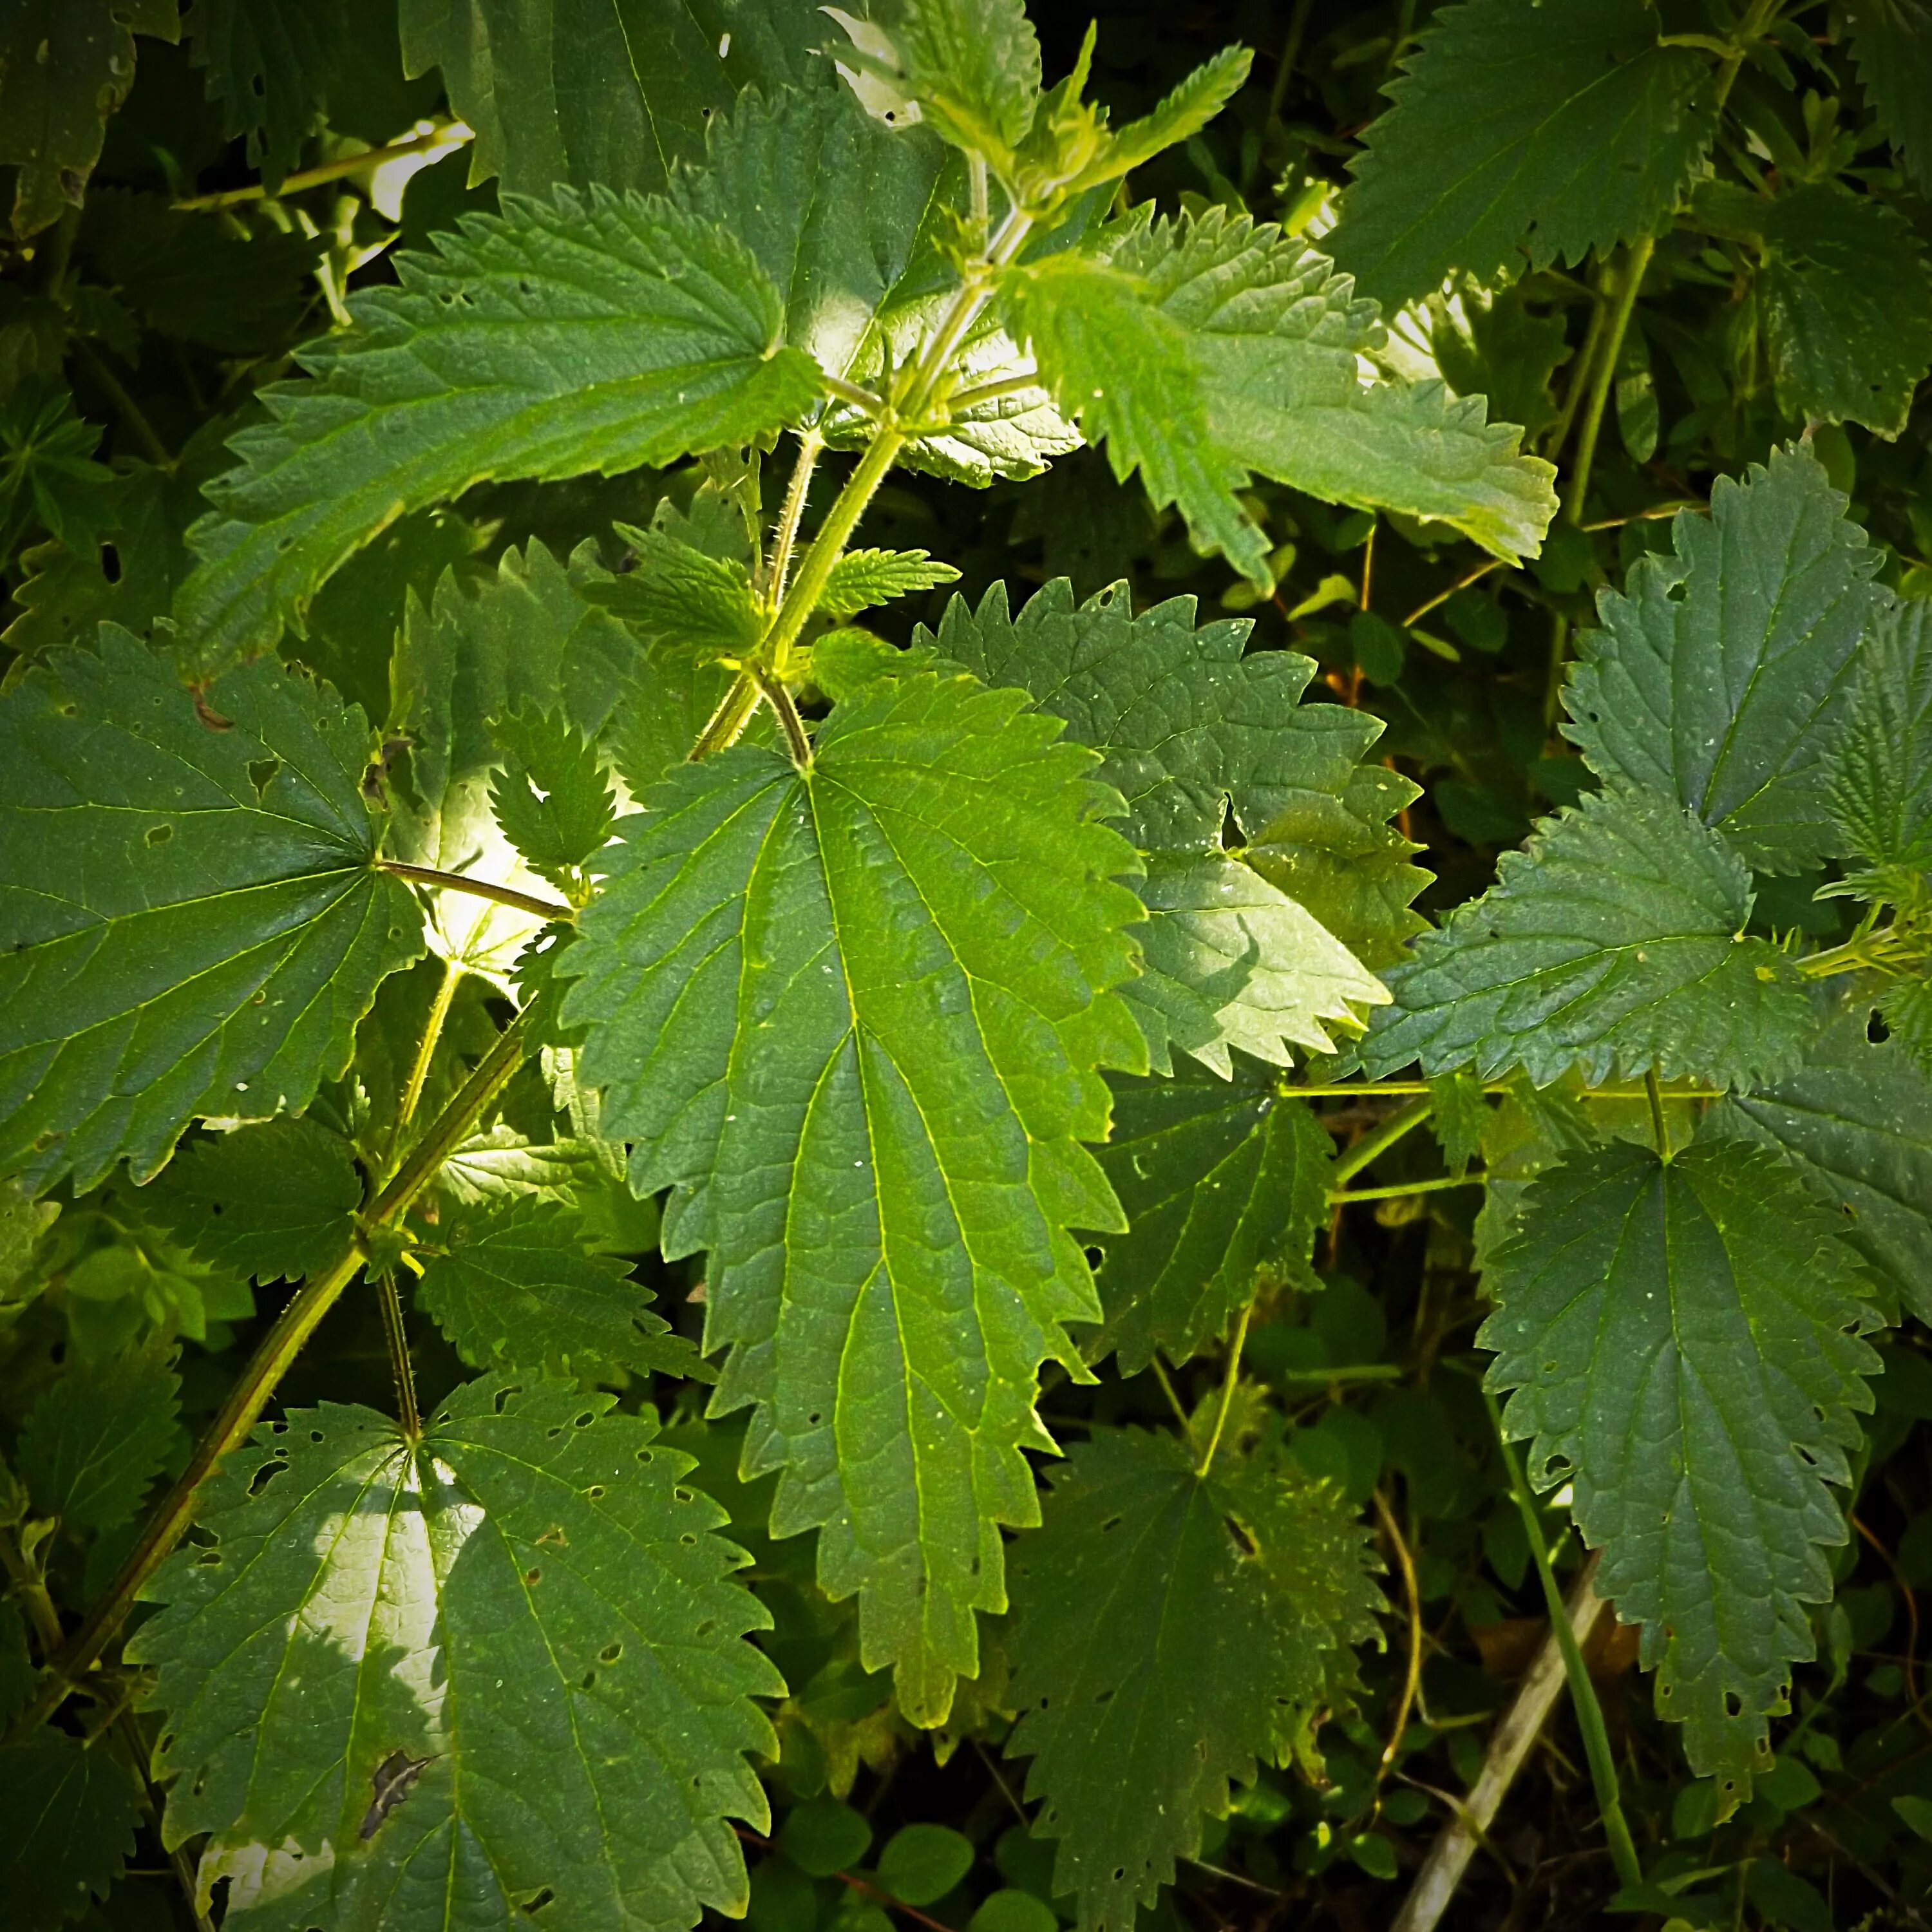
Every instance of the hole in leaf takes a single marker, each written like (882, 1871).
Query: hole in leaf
(1876, 1031)
(261, 774)
(611, 1652)
(160, 835)
(110, 563)
(266, 1475)
(537, 1900)
(533, 1576)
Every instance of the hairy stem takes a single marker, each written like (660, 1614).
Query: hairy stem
(425, 1053)
(811, 447)
(1233, 1375)
(481, 888)
(278, 1348)
(1583, 1692)
(401, 1366)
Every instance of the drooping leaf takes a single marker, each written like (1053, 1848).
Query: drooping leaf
(70, 1809)
(861, 578)
(394, 1676)
(551, 798)
(1892, 42)
(600, 93)
(513, 1288)
(530, 639)
(1168, 1634)
(1201, 350)
(1193, 735)
(190, 923)
(271, 65)
(850, 1016)
(72, 63)
(1684, 1341)
(1615, 940)
(1218, 1180)
(1519, 131)
(1719, 675)
(273, 1200)
(1856, 1119)
(96, 1438)
(562, 337)
(1878, 774)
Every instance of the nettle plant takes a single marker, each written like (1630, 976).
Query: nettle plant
(978, 1012)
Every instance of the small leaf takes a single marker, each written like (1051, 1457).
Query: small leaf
(1719, 677)
(273, 1201)
(1459, 1112)
(551, 798)
(678, 595)
(1891, 43)
(190, 924)
(823, 1836)
(531, 1584)
(1220, 1181)
(922, 1863)
(1615, 940)
(513, 1288)
(70, 1810)
(1179, 117)
(861, 578)
(1879, 772)
(98, 1438)
(974, 65)
(1168, 1634)
(1683, 1339)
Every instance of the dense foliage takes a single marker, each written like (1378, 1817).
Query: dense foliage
(865, 877)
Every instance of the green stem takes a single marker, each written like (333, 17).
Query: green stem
(1604, 375)
(1227, 1390)
(1659, 1132)
(397, 1336)
(412, 1088)
(1371, 1148)
(330, 171)
(1291, 53)
(279, 1348)
(811, 446)
(481, 888)
(1558, 432)
(1342, 1197)
(1583, 1692)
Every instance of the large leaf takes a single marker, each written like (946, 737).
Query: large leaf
(566, 335)
(1616, 939)
(395, 1676)
(849, 1015)
(1522, 131)
(70, 1809)
(68, 66)
(1201, 350)
(1206, 745)
(601, 93)
(1168, 1634)
(1684, 1341)
(189, 921)
(1891, 41)
(98, 1438)
(1856, 1118)
(1219, 1182)
(1720, 672)
(1879, 772)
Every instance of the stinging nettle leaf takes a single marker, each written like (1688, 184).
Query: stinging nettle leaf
(851, 1015)
(1219, 1181)
(1684, 1341)
(272, 1201)
(1168, 1634)
(530, 1585)
(190, 922)
(1719, 677)
(71, 1809)
(1523, 130)
(551, 798)
(1615, 940)
(1879, 773)
(271, 64)
(566, 335)
(1891, 43)
(974, 67)
(98, 1437)
(1203, 350)
(861, 578)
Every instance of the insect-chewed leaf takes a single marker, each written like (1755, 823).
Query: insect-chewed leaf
(1520, 129)
(270, 64)
(861, 578)
(1856, 1119)
(1167, 1633)
(70, 1809)
(562, 336)
(190, 923)
(1202, 350)
(530, 1602)
(513, 1288)
(1879, 772)
(1218, 1181)
(1684, 1341)
(551, 799)
(1720, 672)
(270, 1201)
(1192, 732)
(1614, 939)
(1892, 42)
(851, 1015)
(96, 1438)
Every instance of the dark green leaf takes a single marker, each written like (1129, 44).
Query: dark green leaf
(1879, 773)
(70, 1811)
(1683, 1339)
(1167, 1633)
(850, 1016)
(271, 64)
(1522, 130)
(1220, 1180)
(48, 475)
(98, 1438)
(190, 923)
(1615, 940)
(922, 1863)
(530, 1588)
(1891, 41)
(1719, 677)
